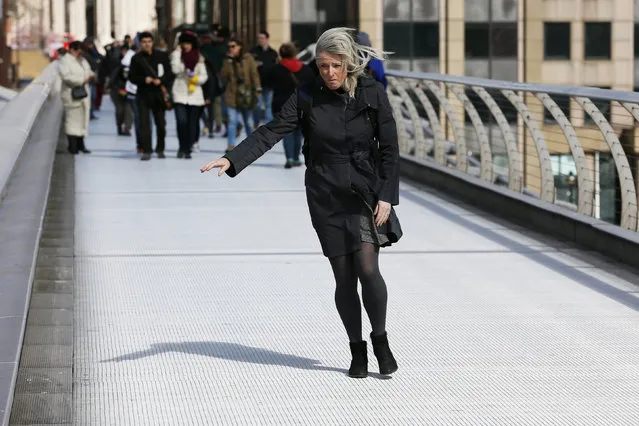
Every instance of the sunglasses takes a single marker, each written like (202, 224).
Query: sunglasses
(231, 46)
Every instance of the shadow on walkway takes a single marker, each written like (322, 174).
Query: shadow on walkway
(236, 352)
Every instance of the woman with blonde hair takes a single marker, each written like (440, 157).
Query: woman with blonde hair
(352, 180)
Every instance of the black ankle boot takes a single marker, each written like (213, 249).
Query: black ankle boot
(81, 146)
(359, 364)
(73, 144)
(385, 359)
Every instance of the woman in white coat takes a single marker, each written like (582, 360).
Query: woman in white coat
(75, 73)
(188, 99)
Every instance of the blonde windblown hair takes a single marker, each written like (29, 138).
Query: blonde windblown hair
(340, 41)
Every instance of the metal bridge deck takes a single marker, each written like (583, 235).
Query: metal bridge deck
(206, 301)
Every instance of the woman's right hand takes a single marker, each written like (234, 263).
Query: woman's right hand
(222, 163)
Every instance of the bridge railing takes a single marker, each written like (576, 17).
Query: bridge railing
(30, 126)
(575, 147)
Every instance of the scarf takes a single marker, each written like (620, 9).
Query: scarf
(190, 58)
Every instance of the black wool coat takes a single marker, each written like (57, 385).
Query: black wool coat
(347, 170)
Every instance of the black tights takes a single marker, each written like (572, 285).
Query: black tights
(362, 264)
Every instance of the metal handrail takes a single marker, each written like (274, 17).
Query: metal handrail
(450, 92)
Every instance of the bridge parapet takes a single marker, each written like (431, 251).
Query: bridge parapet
(575, 147)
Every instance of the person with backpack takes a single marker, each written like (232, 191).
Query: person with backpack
(243, 86)
(285, 77)
(352, 180)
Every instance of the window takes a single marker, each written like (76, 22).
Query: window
(396, 39)
(597, 40)
(504, 40)
(476, 41)
(426, 40)
(557, 40)
(303, 34)
(480, 36)
(563, 102)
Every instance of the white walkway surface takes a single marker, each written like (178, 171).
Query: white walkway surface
(206, 301)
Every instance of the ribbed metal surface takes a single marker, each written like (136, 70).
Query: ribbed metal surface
(42, 408)
(206, 301)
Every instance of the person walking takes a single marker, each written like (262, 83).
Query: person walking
(242, 82)
(151, 73)
(285, 77)
(212, 88)
(352, 180)
(265, 58)
(94, 58)
(116, 84)
(190, 74)
(131, 91)
(75, 73)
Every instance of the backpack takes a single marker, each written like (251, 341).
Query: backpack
(304, 106)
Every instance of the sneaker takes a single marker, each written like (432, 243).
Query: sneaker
(228, 149)
(145, 157)
(205, 131)
(188, 156)
(196, 147)
(297, 163)
(161, 155)
(288, 164)
(180, 154)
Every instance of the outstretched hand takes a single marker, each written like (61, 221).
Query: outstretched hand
(222, 163)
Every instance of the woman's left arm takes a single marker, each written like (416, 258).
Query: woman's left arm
(388, 149)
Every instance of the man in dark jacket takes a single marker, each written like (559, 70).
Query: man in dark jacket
(94, 58)
(151, 73)
(265, 57)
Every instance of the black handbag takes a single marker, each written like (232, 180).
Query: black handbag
(78, 92)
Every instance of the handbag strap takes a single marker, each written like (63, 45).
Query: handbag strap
(238, 78)
(150, 68)
(295, 79)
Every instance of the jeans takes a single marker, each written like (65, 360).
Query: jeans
(234, 116)
(188, 120)
(293, 145)
(265, 100)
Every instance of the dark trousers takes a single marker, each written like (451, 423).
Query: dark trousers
(145, 109)
(293, 145)
(188, 125)
(123, 111)
(207, 116)
(136, 119)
